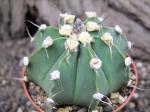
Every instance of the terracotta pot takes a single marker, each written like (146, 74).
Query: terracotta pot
(133, 66)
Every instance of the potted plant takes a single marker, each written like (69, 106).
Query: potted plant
(81, 63)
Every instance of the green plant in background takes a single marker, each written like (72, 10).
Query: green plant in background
(79, 62)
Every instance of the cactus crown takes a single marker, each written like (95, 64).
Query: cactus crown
(79, 59)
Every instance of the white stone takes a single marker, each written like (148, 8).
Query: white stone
(98, 96)
(129, 45)
(85, 38)
(114, 95)
(121, 99)
(19, 110)
(118, 29)
(94, 110)
(139, 64)
(65, 30)
(95, 63)
(129, 83)
(25, 61)
(90, 14)
(43, 27)
(107, 38)
(92, 26)
(128, 61)
(49, 100)
(71, 43)
(101, 19)
(48, 41)
(25, 78)
(55, 75)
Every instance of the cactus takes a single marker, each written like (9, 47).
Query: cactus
(79, 59)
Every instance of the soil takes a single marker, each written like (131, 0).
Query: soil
(40, 98)
(12, 97)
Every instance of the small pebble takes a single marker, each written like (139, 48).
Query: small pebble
(82, 110)
(132, 105)
(139, 64)
(136, 95)
(63, 110)
(19, 110)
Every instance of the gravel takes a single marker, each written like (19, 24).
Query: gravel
(12, 98)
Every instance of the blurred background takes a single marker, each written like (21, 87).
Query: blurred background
(132, 15)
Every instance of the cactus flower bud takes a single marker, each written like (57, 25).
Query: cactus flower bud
(90, 14)
(128, 61)
(108, 39)
(55, 75)
(92, 26)
(47, 42)
(69, 19)
(43, 27)
(65, 30)
(98, 96)
(118, 29)
(25, 61)
(85, 38)
(95, 63)
(71, 44)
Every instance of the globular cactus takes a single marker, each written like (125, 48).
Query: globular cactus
(79, 60)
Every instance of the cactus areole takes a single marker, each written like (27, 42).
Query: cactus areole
(73, 62)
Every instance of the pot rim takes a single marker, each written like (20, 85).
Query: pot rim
(120, 107)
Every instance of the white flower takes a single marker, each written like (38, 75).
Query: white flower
(55, 75)
(69, 18)
(95, 63)
(91, 14)
(92, 26)
(98, 96)
(48, 41)
(85, 38)
(25, 61)
(71, 44)
(43, 27)
(129, 45)
(118, 29)
(49, 100)
(108, 39)
(65, 30)
(128, 61)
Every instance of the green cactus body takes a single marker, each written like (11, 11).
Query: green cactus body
(78, 80)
